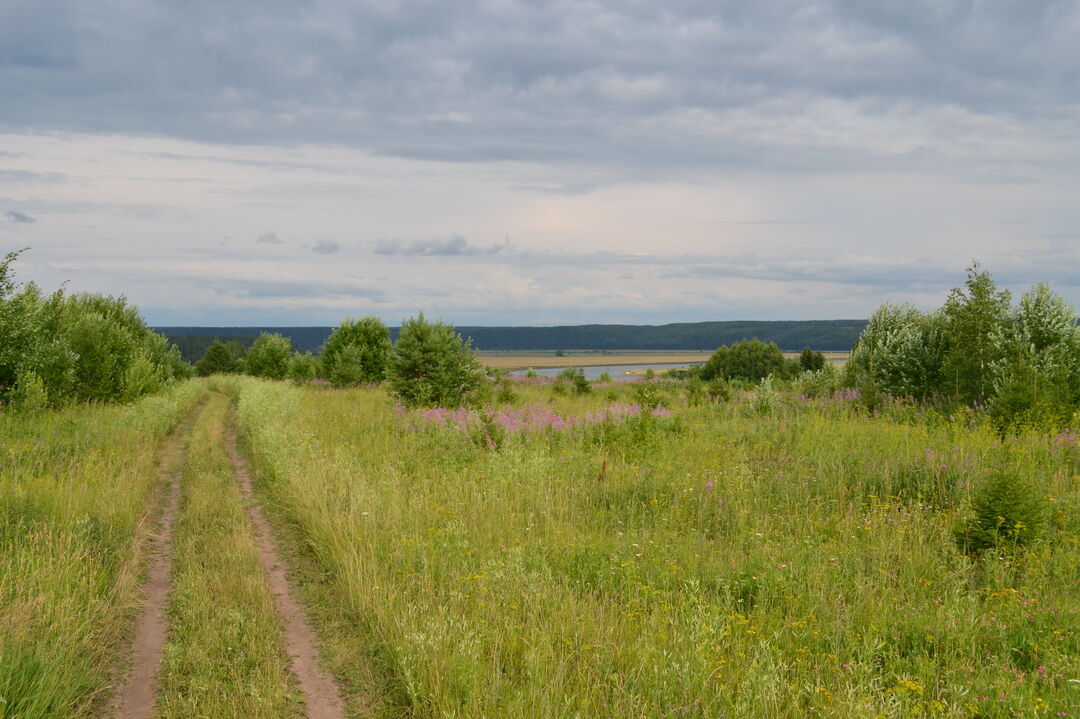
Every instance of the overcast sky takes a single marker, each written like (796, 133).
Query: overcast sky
(290, 162)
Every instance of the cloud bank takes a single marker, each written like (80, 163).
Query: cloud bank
(651, 161)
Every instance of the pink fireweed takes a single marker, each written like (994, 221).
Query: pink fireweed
(534, 418)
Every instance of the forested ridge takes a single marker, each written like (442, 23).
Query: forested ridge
(825, 335)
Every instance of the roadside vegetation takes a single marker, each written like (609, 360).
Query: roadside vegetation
(76, 491)
(56, 349)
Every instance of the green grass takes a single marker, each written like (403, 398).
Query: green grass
(224, 655)
(800, 563)
(75, 491)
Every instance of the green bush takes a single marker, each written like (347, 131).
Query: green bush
(765, 399)
(303, 367)
(718, 390)
(647, 394)
(431, 365)
(217, 359)
(1008, 513)
(30, 393)
(576, 377)
(269, 356)
(80, 347)
(750, 360)
(348, 367)
(811, 361)
(370, 339)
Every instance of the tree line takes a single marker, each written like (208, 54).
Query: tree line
(1018, 363)
(428, 365)
(827, 335)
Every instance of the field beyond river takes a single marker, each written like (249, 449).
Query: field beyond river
(581, 358)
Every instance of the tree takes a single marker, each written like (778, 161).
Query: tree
(348, 367)
(975, 321)
(749, 360)
(900, 352)
(217, 360)
(1037, 374)
(432, 366)
(303, 367)
(269, 356)
(372, 341)
(56, 348)
(811, 361)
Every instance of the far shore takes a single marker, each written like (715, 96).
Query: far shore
(538, 360)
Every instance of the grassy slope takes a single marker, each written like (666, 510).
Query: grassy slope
(224, 656)
(75, 487)
(797, 564)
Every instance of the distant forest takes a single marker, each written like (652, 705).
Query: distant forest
(822, 335)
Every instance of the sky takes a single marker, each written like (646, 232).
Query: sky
(272, 162)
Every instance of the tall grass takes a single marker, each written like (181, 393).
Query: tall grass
(719, 562)
(75, 490)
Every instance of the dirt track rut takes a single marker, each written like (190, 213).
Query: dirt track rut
(136, 697)
(321, 694)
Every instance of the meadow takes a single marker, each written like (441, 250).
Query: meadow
(715, 561)
(78, 494)
(557, 555)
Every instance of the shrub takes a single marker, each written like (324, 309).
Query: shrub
(576, 377)
(370, 337)
(140, 377)
(815, 383)
(764, 400)
(303, 367)
(269, 356)
(432, 366)
(217, 360)
(348, 367)
(718, 390)
(695, 392)
(1008, 514)
(81, 347)
(504, 391)
(750, 360)
(647, 394)
(901, 352)
(30, 393)
(811, 361)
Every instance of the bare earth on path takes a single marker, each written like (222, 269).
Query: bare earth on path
(321, 694)
(135, 698)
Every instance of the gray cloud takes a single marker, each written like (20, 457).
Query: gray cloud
(292, 289)
(270, 238)
(453, 246)
(682, 83)
(20, 217)
(325, 247)
(27, 177)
